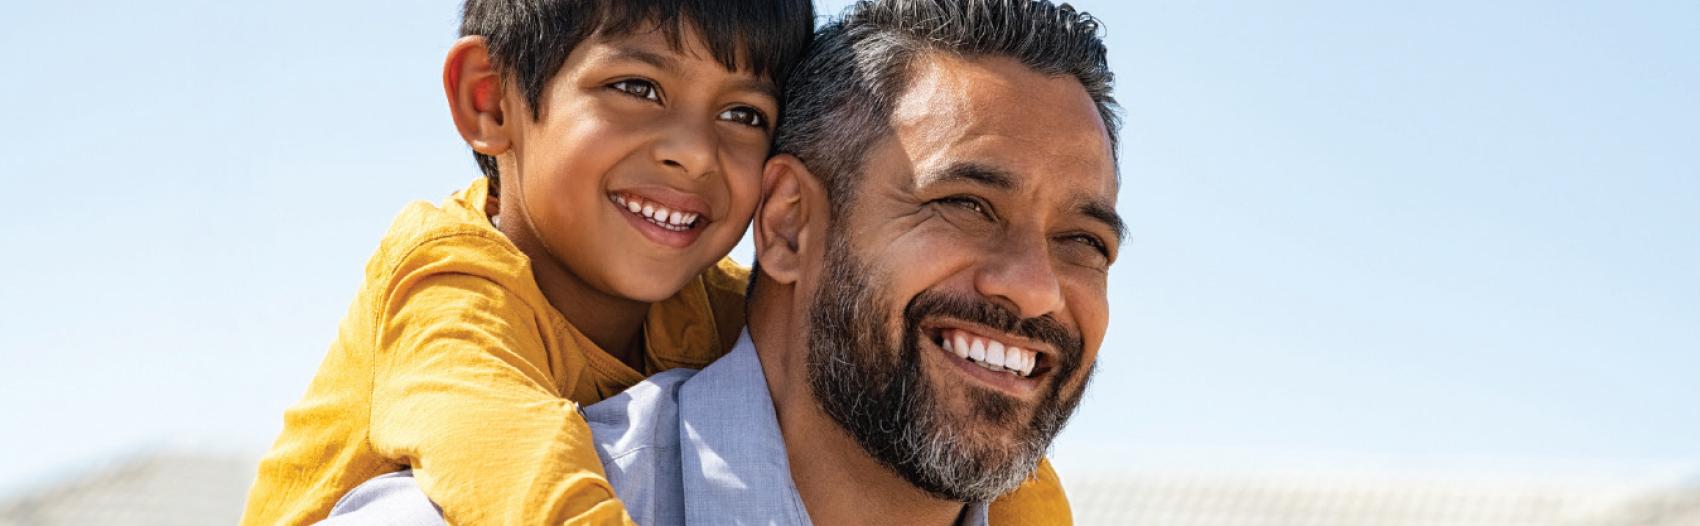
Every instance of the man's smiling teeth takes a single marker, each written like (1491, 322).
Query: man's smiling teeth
(669, 219)
(988, 353)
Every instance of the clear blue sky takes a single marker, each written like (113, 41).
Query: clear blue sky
(1439, 231)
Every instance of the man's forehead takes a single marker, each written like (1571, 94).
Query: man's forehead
(997, 114)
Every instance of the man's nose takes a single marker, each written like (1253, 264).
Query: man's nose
(1020, 274)
(688, 146)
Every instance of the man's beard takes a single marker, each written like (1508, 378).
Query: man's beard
(878, 393)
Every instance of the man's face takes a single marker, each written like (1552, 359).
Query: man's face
(984, 226)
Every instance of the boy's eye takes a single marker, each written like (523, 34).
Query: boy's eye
(745, 115)
(639, 88)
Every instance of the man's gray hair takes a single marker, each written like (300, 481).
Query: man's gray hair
(840, 98)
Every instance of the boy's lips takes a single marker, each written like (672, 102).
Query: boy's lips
(664, 197)
(666, 216)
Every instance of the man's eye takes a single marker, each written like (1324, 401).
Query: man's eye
(968, 203)
(746, 116)
(1093, 242)
(639, 88)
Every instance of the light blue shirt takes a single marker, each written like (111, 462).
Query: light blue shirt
(681, 447)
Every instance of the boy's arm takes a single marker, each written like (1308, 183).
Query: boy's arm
(463, 392)
(1038, 501)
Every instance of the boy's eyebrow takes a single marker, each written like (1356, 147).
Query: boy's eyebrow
(762, 86)
(671, 66)
(660, 61)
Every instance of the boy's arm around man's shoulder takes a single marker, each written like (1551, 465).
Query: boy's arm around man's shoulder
(467, 393)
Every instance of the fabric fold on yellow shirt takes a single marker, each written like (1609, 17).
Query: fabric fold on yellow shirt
(453, 362)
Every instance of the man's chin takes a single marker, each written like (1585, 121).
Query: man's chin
(982, 412)
(972, 465)
(975, 444)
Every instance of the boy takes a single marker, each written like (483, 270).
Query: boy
(622, 144)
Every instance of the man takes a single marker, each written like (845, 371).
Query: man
(933, 248)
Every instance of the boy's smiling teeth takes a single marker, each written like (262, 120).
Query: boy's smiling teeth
(988, 353)
(659, 215)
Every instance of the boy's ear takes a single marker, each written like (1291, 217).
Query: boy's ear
(791, 220)
(474, 88)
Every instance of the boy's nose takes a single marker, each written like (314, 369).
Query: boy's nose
(687, 147)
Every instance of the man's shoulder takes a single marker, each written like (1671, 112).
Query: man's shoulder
(644, 416)
(637, 438)
(391, 498)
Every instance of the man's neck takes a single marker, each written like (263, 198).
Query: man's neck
(837, 479)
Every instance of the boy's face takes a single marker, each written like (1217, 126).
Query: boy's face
(644, 167)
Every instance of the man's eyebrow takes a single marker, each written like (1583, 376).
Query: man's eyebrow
(977, 173)
(1090, 206)
(1101, 211)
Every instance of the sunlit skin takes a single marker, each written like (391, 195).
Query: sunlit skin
(629, 117)
(1037, 236)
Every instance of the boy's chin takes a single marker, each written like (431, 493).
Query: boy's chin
(647, 278)
(648, 288)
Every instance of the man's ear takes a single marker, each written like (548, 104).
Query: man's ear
(474, 88)
(791, 220)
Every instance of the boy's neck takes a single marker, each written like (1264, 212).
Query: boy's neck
(613, 323)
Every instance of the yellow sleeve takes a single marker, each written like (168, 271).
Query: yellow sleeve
(464, 392)
(1039, 501)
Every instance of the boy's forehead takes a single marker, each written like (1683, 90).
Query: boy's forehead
(685, 57)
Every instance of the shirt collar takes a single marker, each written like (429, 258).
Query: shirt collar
(730, 435)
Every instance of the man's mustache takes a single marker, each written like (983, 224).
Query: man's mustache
(933, 304)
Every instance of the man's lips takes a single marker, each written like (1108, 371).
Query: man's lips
(1031, 357)
(1012, 364)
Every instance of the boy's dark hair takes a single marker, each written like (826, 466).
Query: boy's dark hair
(529, 40)
(842, 95)
(840, 98)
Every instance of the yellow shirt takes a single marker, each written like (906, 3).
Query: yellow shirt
(452, 361)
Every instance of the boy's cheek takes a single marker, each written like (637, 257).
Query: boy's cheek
(743, 181)
(746, 165)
